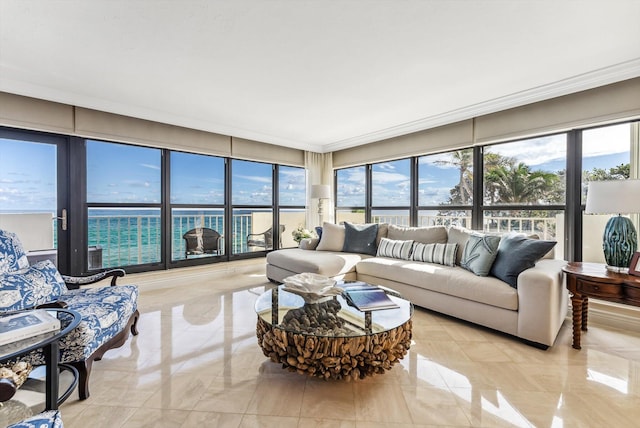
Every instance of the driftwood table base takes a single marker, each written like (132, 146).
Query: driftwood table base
(335, 357)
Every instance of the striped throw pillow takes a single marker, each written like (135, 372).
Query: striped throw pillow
(394, 249)
(443, 254)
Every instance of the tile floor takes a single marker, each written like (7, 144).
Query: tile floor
(196, 363)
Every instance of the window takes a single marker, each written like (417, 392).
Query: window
(252, 199)
(29, 190)
(606, 155)
(524, 187)
(391, 192)
(197, 201)
(292, 191)
(351, 194)
(445, 188)
(123, 204)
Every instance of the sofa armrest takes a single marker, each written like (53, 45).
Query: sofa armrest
(542, 301)
(309, 243)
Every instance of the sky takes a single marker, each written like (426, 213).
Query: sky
(122, 173)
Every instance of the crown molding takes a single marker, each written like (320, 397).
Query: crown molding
(604, 76)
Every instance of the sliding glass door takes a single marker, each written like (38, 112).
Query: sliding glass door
(32, 193)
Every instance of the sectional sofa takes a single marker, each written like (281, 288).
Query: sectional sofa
(507, 283)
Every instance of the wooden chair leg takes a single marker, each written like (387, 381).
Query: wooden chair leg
(84, 370)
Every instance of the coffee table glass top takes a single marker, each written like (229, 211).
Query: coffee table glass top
(332, 316)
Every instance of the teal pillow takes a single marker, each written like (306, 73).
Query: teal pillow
(517, 253)
(480, 251)
(360, 238)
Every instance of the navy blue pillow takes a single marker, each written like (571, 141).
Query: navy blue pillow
(517, 253)
(319, 231)
(360, 238)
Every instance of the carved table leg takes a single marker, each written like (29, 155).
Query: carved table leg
(576, 305)
(585, 312)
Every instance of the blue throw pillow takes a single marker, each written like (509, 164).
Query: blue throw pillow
(517, 253)
(480, 251)
(30, 287)
(360, 238)
(319, 231)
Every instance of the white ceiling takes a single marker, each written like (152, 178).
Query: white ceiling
(315, 75)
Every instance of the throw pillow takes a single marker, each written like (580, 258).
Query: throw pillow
(360, 238)
(517, 253)
(319, 231)
(479, 253)
(332, 237)
(12, 254)
(394, 249)
(458, 235)
(443, 254)
(30, 287)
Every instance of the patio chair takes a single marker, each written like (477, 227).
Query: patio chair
(202, 240)
(108, 313)
(264, 239)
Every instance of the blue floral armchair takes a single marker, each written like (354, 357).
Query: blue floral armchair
(108, 313)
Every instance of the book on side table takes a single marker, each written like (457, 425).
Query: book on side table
(23, 325)
(367, 297)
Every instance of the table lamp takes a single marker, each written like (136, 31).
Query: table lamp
(320, 192)
(620, 239)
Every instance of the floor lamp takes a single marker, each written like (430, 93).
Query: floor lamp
(320, 192)
(620, 239)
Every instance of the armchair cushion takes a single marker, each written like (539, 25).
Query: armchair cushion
(30, 287)
(105, 312)
(12, 254)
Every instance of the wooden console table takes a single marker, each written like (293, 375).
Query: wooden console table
(586, 280)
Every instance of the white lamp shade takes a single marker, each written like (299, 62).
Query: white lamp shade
(613, 197)
(320, 191)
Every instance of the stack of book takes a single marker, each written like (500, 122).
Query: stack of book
(367, 297)
(22, 325)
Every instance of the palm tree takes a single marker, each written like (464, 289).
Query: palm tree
(462, 193)
(517, 184)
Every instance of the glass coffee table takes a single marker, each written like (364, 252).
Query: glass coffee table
(331, 339)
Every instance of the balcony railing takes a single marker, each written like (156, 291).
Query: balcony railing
(136, 239)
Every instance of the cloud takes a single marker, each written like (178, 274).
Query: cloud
(389, 177)
(146, 165)
(536, 151)
(606, 140)
(257, 179)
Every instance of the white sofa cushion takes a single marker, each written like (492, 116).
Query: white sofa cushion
(454, 281)
(426, 235)
(327, 263)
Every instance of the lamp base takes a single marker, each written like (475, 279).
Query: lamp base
(619, 242)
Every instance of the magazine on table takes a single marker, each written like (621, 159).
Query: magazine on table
(23, 325)
(367, 297)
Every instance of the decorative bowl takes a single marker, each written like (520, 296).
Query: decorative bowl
(311, 286)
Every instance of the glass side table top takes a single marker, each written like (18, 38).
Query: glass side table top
(330, 317)
(68, 321)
